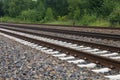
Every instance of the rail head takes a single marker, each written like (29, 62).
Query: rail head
(91, 57)
(96, 45)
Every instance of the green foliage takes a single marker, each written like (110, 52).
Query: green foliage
(29, 15)
(95, 5)
(115, 17)
(100, 22)
(107, 8)
(49, 15)
(60, 22)
(1, 9)
(78, 12)
(62, 18)
(87, 19)
(40, 10)
(5, 7)
(8, 19)
(4, 19)
(13, 11)
(72, 8)
(13, 8)
(59, 7)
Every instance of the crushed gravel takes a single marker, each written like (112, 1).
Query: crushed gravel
(20, 62)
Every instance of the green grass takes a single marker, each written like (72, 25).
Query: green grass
(102, 23)
(98, 22)
(79, 23)
(60, 22)
(14, 20)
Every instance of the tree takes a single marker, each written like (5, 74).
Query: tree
(107, 7)
(49, 15)
(40, 10)
(59, 7)
(29, 15)
(72, 8)
(5, 7)
(114, 17)
(13, 8)
(13, 11)
(85, 11)
(94, 6)
(1, 8)
(76, 16)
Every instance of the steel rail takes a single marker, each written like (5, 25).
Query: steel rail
(70, 32)
(91, 44)
(114, 64)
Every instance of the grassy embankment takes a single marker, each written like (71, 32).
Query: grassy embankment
(86, 22)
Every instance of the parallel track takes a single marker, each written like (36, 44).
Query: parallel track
(96, 45)
(92, 27)
(78, 33)
(84, 55)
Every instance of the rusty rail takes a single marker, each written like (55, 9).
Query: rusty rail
(78, 33)
(91, 57)
(96, 45)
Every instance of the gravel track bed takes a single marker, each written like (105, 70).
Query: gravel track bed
(81, 38)
(19, 62)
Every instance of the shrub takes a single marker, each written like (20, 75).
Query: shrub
(49, 15)
(87, 19)
(114, 17)
(29, 15)
(62, 18)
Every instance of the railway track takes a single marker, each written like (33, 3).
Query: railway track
(98, 27)
(60, 48)
(90, 44)
(70, 32)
